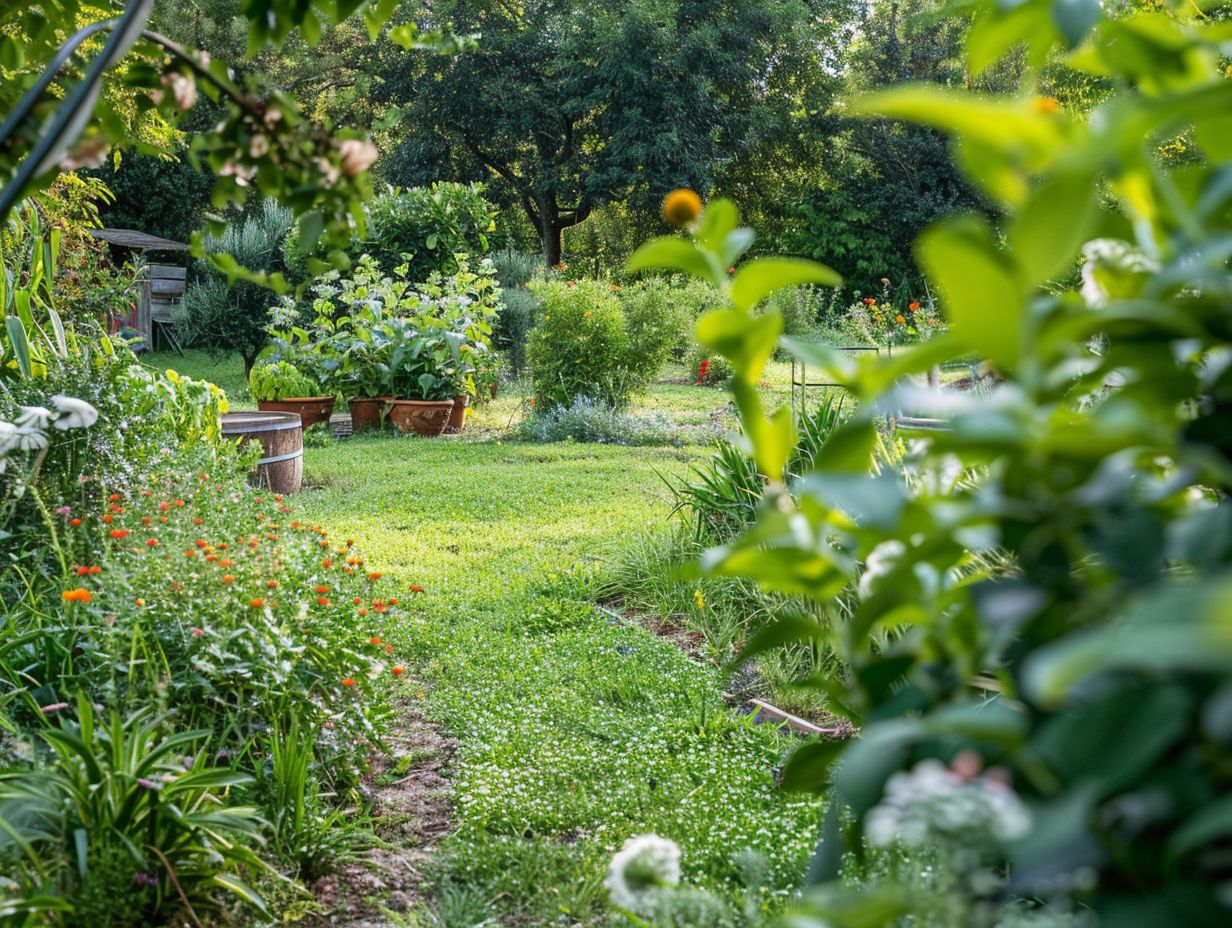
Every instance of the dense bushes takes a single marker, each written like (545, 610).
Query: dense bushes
(169, 634)
(424, 227)
(580, 346)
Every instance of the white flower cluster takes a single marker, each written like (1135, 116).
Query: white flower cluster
(932, 803)
(643, 865)
(29, 431)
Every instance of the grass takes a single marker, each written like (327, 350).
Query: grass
(573, 733)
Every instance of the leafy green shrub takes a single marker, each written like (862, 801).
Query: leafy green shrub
(424, 227)
(221, 316)
(117, 806)
(519, 309)
(707, 368)
(580, 348)
(280, 380)
(516, 268)
(1049, 638)
(594, 420)
(659, 325)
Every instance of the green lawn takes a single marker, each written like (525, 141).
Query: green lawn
(573, 733)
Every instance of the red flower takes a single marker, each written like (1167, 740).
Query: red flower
(397, 671)
(913, 305)
(152, 542)
(322, 601)
(869, 301)
(375, 575)
(118, 533)
(416, 588)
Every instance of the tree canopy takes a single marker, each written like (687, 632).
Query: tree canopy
(569, 106)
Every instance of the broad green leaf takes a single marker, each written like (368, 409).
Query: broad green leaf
(20, 344)
(1052, 225)
(762, 277)
(675, 254)
(978, 289)
(1074, 18)
(719, 219)
(746, 341)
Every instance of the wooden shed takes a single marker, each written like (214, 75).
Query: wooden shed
(159, 289)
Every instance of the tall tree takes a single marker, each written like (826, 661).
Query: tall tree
(571, 105)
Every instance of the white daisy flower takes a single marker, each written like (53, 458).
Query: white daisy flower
(74, 413)
(34, 417)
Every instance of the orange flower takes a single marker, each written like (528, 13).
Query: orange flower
(81, 571)
(190, 553)
(271, 583)
(914, 305)
(327, 563)
(363, 611)
(869, 301)
(152, 542)
(375, 575)
(416, 588)
(163, 507)
(900, 320)
(357, 600)
(257, 603)
(201, 543)
(348, 682)
(225, 563)
(228, 578)
(322, 588)
(393, 600)
(114, 498)
(108, 518)
(179, 502)
(1046, 105)
(146, 520)
(74, 522)
(79, 595)
(197, 520)
(376, 641)
(322, 601)
(397, 671)
(139, 601)
(680, 207)
(389, 649)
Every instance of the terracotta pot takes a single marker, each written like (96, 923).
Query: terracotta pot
(365, 412)
(424, 417)
(457, 415)
(310, 409)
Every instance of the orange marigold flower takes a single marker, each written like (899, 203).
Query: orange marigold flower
(416, 588)
(79, 595)
(227, 578)
(146, 520)
(163, 507)
(375, 575)
(347, 681)
(108, 518)
(680, 207)
(363, 611)
(257, 603)
(152, 542)
(397, 671)
(81, 571)
(389, 649)
(201, 543)
(114, 498)
(139, 601)
(322, 601)
(900, 320)
(869, 301)
(914, 305)
(322, 588)
(74, 522)
(197, 520)
(393, 600)
(271, 583)
(374, 640)
(327, 563)
(225, 563)
(356, 600)
(179, 502)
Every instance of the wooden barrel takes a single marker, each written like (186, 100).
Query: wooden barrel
(281, 467)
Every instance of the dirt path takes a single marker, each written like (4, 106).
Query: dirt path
(411, 808)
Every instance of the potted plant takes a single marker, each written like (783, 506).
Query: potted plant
(419, 374)
(364, 383)
(280, 386)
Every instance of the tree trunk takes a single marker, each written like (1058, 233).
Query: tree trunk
(549, 235)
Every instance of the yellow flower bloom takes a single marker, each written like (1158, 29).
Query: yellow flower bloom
(680, 207)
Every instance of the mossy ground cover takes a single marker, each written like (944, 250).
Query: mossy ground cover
(573, 733)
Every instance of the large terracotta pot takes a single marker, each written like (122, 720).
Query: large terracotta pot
(365, 412)
(457, 415)
(310, 409)
(424, 417)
